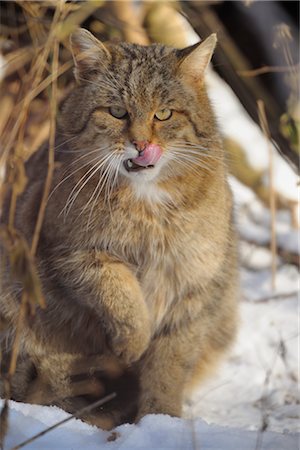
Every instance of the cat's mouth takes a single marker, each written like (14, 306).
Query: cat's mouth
(132, 166)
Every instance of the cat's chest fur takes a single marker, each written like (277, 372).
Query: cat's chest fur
(166, 247)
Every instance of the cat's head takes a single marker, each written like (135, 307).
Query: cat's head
(143, 110)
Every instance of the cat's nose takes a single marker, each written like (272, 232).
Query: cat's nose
(140, 145)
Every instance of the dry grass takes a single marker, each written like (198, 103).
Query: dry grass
(36, 77)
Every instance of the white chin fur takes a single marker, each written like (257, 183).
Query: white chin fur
(150, 192)
(144, 185)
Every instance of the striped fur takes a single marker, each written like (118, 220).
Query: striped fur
(138, 268)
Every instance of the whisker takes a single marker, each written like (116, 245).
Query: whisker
(205, 151)
(196, 144)
(215, 155)
(198, 162)
(107, 190)
(69, 199)
(102, 163)
(104, 181)
(65, 142)
(102, 173)
(85, 155)
(73, 195)
(194, 152)
(190, 163)
(102, 177)
(190, 148)
(112, 77)
(117, 170)
(75, 171)
(114, 177)
(193, 168)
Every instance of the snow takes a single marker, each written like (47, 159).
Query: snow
(259, 380)
(159, 432)
(254, 220)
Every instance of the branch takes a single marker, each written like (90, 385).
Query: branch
(267, 298)
(129, 21)
(79, 413)
(268, 69)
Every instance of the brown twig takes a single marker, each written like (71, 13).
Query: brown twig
(267, 69)
(45, 83)
(129, 21)
(17, 337)
(77, 414)
(262, 402)
(264, 126)
(50, 171)
(267, 298)
(18, 130)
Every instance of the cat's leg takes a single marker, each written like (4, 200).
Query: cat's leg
(108, 291)
(118, 298)
(174, 355)
(163, 373)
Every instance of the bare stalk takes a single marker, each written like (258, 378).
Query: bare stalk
(266, 131)
(79, 413)
(126, 13)
(53, 106)
(267, 69)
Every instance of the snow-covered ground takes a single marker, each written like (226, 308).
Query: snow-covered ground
(258, 385)
(154, 432)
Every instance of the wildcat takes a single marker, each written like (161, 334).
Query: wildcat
(137, 254)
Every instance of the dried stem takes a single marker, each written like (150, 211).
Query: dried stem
(266, 131)
(126, 13)
(279, 296)
(18, 130)
(267, 69)
(79, 413)
(17, 337)
(53, 107)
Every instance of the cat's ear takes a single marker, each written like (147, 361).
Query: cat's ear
(90, 55)
(194, 60)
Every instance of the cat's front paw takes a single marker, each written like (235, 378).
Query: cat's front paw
(130, 339)
(126, 314)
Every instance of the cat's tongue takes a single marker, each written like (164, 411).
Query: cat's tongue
(150, 155)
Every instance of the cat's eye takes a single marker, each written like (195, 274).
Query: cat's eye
(118, 112)
(163, 114)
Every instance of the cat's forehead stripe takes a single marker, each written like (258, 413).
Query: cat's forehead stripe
(148, 71)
